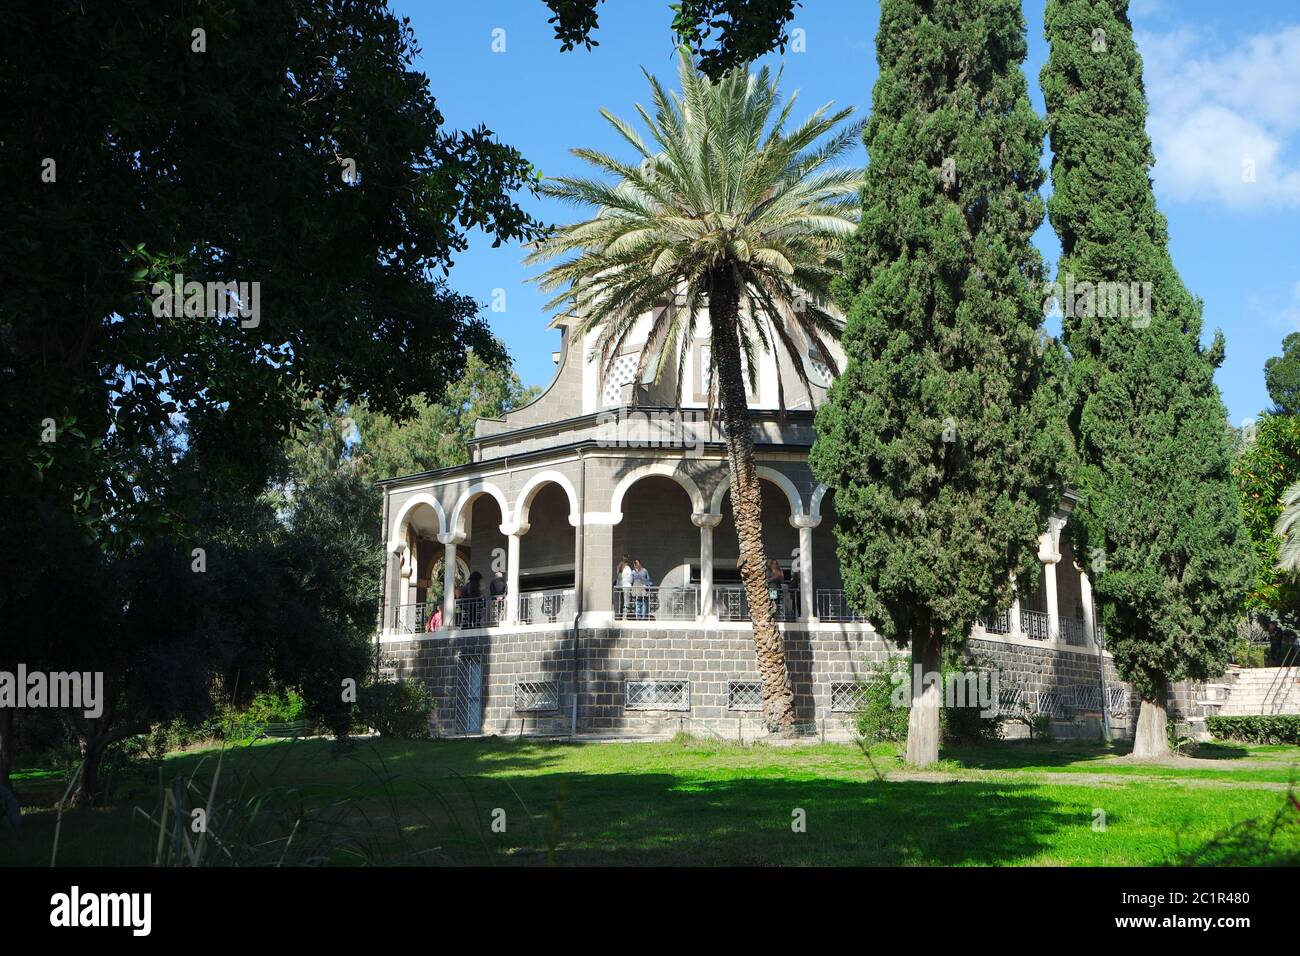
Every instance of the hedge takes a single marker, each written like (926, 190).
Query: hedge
(1257, 729)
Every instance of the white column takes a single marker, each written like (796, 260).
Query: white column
(805, 524)
(706, 523)
(1049, 552)
(413, 588)
(512, 570)
(1014, 614)
(449, 542)
(1089, 614)
(1053, 608)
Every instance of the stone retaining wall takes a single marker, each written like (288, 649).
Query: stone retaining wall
(606, 658)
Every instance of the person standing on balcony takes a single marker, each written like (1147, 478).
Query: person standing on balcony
(641, 580)
(794, 591)
(497, 592)
(623, 586)
(472, 592)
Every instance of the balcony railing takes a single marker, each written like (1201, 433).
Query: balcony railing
(833, 606)
(480, 611)
(413, 618)
(1035, 625)
(642, 603)
(731, 603)
(1073, 631)
(547, 606)
(998, 624)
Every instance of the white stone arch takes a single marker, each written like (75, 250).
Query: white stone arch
(764, 473)
(815, 505)
(534, 485)
(421, 498)
(457, 524)
(662, 468)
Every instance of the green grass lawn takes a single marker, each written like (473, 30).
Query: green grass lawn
(688, 802)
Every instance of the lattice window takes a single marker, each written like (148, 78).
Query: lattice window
(744, 695)
(848, 696)
(818, 371)
(620, 373)
(658, 695)
(537, 695)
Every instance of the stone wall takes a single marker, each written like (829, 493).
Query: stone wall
(605, 658)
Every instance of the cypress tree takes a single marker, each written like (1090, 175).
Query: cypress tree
(944, 436)
(1159, 522)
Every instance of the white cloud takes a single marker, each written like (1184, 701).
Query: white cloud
(1220, 117)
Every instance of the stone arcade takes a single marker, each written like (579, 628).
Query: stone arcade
(558, 491)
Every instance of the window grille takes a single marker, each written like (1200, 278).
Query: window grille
(658, 695)
(744, 695)
(533, 695)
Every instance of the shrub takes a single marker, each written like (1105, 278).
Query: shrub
(277, 708)
(1257, 728)
(878, 719)
(397, 709)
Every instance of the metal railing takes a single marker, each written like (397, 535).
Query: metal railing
(833, 606)
(647, 603)
(1035, 624)
(998, 624)
(1073, 631)
(480, 611)
(414, 618)
(731, 603)
(547, 606)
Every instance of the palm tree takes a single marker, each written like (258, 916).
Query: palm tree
(1287, 528)
(727, 212)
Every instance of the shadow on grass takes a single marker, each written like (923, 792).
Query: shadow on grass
(1023, 754)
(435, 802)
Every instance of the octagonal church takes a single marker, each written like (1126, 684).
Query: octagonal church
(579, 575)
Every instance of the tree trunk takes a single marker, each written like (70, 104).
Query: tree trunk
(747, 502)
(6, 745)
(1151, 739)
(89, 786)
(923, 720)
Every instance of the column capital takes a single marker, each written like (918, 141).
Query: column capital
(514, 530)
(805, 521)
(702, 519)
(451, 537)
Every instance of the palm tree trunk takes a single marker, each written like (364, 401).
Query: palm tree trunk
(747, 501)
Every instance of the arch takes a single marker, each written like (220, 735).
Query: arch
(663, 469)
(815, 506)
(457, 523)
(534, 485)
(421, 498)
(764, 473)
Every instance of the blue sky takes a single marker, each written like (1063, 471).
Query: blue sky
(1223, 80)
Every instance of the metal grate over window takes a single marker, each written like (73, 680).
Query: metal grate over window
(744, 695)
(658, 695)
(848, 696)
(620, 372)
(531, 695)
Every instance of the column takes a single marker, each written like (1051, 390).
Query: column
(413, 583)
(449, 542)
(1089, 614)
(512, 570)
(1015, 613)
(805, 524)
(706, 523)
(1053, 609)
(1049, 552)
